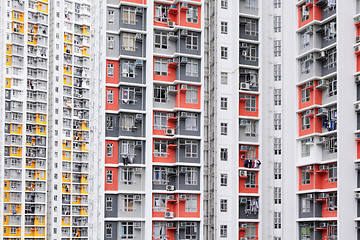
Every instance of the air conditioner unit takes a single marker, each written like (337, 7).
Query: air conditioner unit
(170, 132)
(310, 57)
(183, 169)
(139, 10)
(170, 197)
(137, 224)
(322, 196)
(138, 37)
(18, 171)
(243, 46)
(182, 196)
(357, 48)
(357, 39)
(244, 148)
(322, 140)
(244, 86)
(244, 53)
(138, 143)
(357, 195)
(171, 170)
(357, 78)
(138, 170)
(184, 60)
(138, 116)
(183, 86)
(357, 106)
(172, 36)
(183, 114)
(305, 11)
(310, 140)
(323, 225)
(243, 173)
(139, 63)
(310, 168)
(310, 29)
(322, 84)
(182, 224)
(184, 33)
(309, 196)
(322, 111)
(323, 167)
(137, 197)
(172, 89)
(244, 225)
(184, 6)
(171, 24)
(243, 123)
(169, 214)
(321, 56)
(243, 200)
(244, 238)
(170, 225)
(309, 112)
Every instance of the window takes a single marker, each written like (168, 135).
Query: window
(223, 205)
(127, 176)
(305, 66)
(305, 94)
(191, 230)
(305, 232)
(127, 230)
(128, 69)
(109, 176)
(277, 72)
(277, 170)
(191, 176)
(277, 97)
(192, 67)
(250, 180)
(332, 173)
(224, 52)
(250, 128)
(160, 148)
(277, 121)
(109, 203)
(305, 204)
(250, 232)
(127, 122)
(160, 175)
(250, 27)
(305, 176)
(277, 48)
(160, 93)
(111, 16)
(191, 95)
(223, 179)
(160, 120)
(305, 149)
(161, 12)
(331, 203)
(223, 103)
(277, 3)
(110, 70)
(108, 231)
(161, 66)
(223, 128)
(250, 104)
(277, 146)
(224, 27)
(332, 87)
(250, 4)
(159, 203)
(111, 43)
(224, 4)
(109, 150)
(277, 195)
(128, 43)
(191, 149)
(129, 15)
(223, 231)
(305, 13)
(224, 78)
(277, 24)
(250, 53)
(277, 220)
(331, 58)
(192, 41)
(159, 230)
(191, 203)
(304, 40)
(305, 121)
(128, 95)
(223, 154)
(192, 14)
(161, 40)
(110, 96)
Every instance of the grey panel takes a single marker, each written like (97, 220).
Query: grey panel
(181, 72)
(242, 30)
(182, 48)
(140, 23)
(114, 211)
(327, 12)
(140, 76)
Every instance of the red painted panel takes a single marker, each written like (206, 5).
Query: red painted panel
(242, 156)
(114, 158)
(113, 79)
(184, 214)
(114, 185)
(243, 189)
(170, 124)
(243, 112)
(115, 104)
(169, 78)
(184, 23)
(314, 14)
(321, 180)
(181, 100)
(242, 232)
(306, 186)
(315, 125)
(170, 156)
(134, 1)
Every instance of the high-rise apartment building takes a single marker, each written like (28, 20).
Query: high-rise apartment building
(179, 119)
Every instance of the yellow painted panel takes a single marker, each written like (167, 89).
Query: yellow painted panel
(7, 82)
(8, 60)
(8, 49)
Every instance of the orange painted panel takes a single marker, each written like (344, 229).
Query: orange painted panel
(115, 104)
(114, 185)
(115, 78)
(114, 158)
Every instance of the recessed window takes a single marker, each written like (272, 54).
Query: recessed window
(224, 27)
